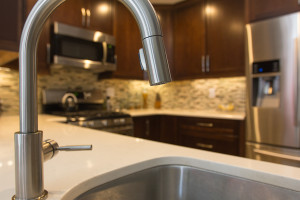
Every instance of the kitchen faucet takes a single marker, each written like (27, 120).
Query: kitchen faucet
(30, 150)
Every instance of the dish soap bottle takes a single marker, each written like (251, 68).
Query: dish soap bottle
(157, 104)
(145, 99)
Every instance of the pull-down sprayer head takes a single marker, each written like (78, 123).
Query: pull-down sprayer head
(153, 57)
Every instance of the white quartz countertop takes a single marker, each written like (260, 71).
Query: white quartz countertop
(112, 151)
(188, 113)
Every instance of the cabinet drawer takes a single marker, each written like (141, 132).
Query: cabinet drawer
(212, 144)
(207, 125)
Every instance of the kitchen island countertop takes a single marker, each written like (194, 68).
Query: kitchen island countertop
(112, 151)
(188, 113)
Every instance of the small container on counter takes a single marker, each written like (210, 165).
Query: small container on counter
(157, 103)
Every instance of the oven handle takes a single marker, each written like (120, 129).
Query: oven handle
(278, 155)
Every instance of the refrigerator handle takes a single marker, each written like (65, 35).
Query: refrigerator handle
(297, 87)
(278, 155)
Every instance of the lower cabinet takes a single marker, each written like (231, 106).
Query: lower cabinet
(147, 127)
(217, 135)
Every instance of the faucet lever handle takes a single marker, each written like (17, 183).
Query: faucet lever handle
(75, 148)
(51, 148)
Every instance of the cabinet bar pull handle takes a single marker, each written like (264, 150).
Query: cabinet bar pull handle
(83, 14)
(88, 17)
(203, 62)
(207, 63)
(205, 124)
(206, 146)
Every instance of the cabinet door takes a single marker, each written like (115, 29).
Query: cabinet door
(11, 23)
(225, 38)
(189, 40)
(128, 43)
(218, 135)
(262, 9)
(165, 16)
(101, 15)
(147, 127)
(70, 12)
(168, 129)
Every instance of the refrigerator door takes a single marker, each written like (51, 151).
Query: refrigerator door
(272, 102)
(273, 154)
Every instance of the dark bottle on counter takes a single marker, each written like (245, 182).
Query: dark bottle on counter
(157, 103)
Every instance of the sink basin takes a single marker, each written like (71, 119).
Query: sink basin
(181, 182)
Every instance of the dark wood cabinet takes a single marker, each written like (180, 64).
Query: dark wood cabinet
(258, 9)
(101, 17)
(168, 129)
(225, 38)
(211, 44)
(89, 14)
(71, 12)
(147, 127)
(12, 14)
(128, 43)
(189, 40)
(217, 135)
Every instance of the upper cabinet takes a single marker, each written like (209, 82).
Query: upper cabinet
(189, 40)
(262, 9)
(209, 39)
(12, 15)
(225, 38)
(129, 41)
(203, 38)
(90, 14)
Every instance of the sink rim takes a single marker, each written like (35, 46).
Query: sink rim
(250, 174)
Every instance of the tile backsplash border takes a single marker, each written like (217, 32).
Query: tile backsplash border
(198, 94)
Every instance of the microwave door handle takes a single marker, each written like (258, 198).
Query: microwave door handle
(48, 46)
(277, 155)
(104, 52)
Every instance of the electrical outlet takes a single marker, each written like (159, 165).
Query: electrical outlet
(211, 93)
(110, 92)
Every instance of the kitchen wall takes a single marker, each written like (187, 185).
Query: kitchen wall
(200, 94)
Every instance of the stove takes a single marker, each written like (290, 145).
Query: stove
(82, 110)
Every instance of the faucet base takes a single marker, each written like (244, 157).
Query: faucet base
(42, 197)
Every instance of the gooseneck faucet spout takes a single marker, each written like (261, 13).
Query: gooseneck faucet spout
(29, 152)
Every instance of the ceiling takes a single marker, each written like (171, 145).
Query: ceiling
(165, 1)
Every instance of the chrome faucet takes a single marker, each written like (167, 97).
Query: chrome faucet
(30, 150)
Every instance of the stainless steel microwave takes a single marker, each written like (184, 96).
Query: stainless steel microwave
(81, 48)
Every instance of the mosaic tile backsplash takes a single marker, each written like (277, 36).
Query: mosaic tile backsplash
(199, 94)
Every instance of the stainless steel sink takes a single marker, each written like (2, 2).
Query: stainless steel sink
(179, 182)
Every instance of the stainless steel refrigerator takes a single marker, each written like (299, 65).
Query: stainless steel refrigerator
(273, 90)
